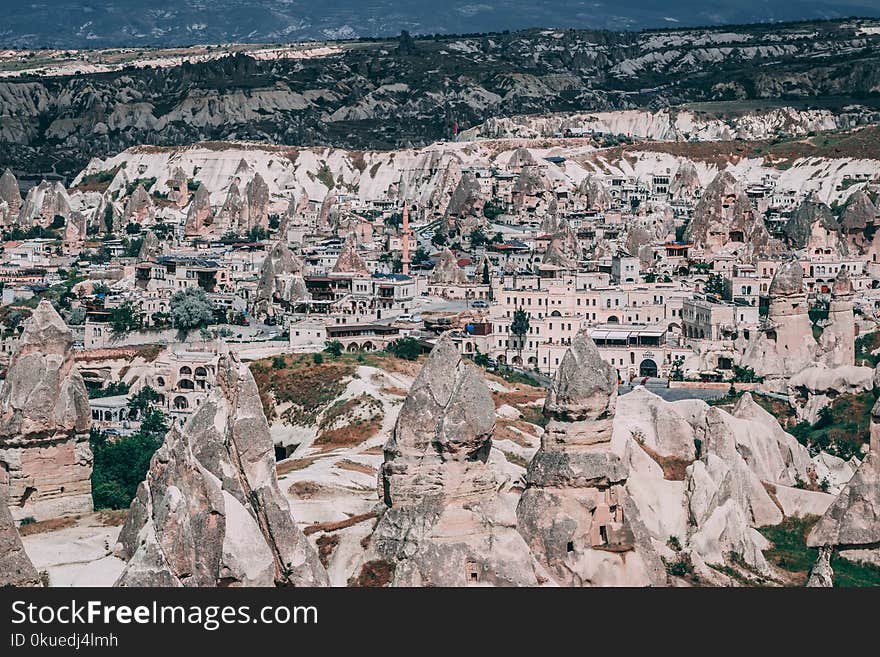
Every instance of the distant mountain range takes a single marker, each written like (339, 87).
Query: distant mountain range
(114, 23)
(411, 91)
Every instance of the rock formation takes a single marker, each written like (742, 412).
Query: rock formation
(563, 249)
(814, 228)
(467, 201)
(726, 499)
(821, 574)
(210, 512)
(348, 261)
(178, 188)
(10, 195)
(685, 182)
(140, 208)
(575, 513)
(446, 523)
(16, 568)
(724, 217)
(852, 523)
(280, 280)
(232, 216)
(198, 216)
(786, 345)
(44, 423)
(595, 193)
(75, 229)
(43, 203)
(837, 342)
(257, 194)
(150, 247)
(447, 271)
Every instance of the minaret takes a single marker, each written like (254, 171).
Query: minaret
(405, 258)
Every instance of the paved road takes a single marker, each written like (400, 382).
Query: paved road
(674, 394)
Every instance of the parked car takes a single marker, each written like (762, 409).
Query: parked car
(479, 303)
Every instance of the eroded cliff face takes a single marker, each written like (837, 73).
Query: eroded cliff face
(448, 518)
(44, 423)
(210, 512)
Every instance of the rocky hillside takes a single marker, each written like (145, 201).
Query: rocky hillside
(413, 91)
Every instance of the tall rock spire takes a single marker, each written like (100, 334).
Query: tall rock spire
(447, 521)
(210, 512)
(575, 513)
(44, 423)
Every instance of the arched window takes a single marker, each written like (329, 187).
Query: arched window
(180, 403)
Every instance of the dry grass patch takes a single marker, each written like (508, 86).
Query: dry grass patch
(292, 465)
(45, 526)
(112, 517)
(352, 466)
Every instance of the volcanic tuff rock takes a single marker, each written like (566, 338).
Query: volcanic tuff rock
(821, 575)
(75, 228)
(150, 247)
(139, 209)
(210, 512)
(257, 193)
(726, 498)
(724, 215)
(44, 423)
(595, 193)
(786, 346)
(348, 261)
(563, 249)
(858, 211)
(446, 270)
(344, 99)
(16, 568)
(280, 276)
(685, 182)
(198, 216)
(232, 215)
(11, 196)
(575, 513)
(812, 227)
(43, 203)
(447, 522)
(853, 520)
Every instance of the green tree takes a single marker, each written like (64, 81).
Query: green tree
(334, 348)
(77, 316)
(126, 317)
(256, 234)
(519, 327)
(715, 285)
(191, 308)
(439, 238)
(407, 348)
(120, 465)
(420, 257)
(478, 237)
(487, 278)
(142, 400)
(482, 359)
